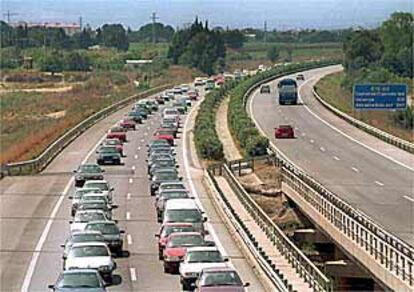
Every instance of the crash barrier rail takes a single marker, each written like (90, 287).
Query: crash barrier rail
(400, 143)
(302, 265)
(39, 163)
(392, 253)
(251, 243)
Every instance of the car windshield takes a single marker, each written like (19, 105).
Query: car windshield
(172, 229)
(186, 240)
(93, 205)
(81, 192)
(93, 198)
(89, 216)
(164, 163)
(104, 228)
(89, 168)
(88, 251)
(113, 142)
(103, 186)
(183, 216)
(167, 175)
(171, 112)
(117, 130)
(163, 132)
(79, 280)
(210, 256)
(158, 142)
(109, 149)
(173, 186)
(224, 278)
(174, 195)
(85, 237)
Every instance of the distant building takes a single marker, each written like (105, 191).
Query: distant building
(68, 28)
(137, 63)
(250, 35)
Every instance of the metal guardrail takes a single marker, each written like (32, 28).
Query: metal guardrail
(269, 269)
(400, 143)
(391, 252)
(39, 163)
(303, 266)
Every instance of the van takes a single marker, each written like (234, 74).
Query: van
(184, 211)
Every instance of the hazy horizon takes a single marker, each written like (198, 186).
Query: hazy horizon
(282, 15)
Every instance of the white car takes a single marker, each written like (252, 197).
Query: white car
(77, 196)
(91, 255)
(103, 185)
(197, 259)
(199, 81)
(84, 217)
(184, 88)
(94, 197)
(170, 113)
(165, 196)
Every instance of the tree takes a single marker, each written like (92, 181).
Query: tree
(52, 62)
(74, 61)
(273, 53)
(113, 35)
(163, 33)
(362, 49)
(234, 38)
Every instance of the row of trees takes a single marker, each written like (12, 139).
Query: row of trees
(198, 47)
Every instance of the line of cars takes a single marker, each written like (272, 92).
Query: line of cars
(95, 238)
(183, 246)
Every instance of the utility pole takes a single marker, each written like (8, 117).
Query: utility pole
(154, 19)
(265, 31)
(8, 15)
(80, 23)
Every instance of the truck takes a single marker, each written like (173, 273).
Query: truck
(288, 91)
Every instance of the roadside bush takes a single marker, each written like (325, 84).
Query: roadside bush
(207, 142)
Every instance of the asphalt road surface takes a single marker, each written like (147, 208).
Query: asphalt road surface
(35, 212)
(372, 175)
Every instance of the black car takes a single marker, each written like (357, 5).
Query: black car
(111, 233)
(108, 155)
(163, 176)
(142, 110)
(86, 172)
(265, 89)
(162, 163)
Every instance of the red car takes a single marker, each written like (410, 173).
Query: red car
(116, 143)
(164, 134)
(166, 230)
(284, 131)
(193, 95)
(118, 133)
(176, 248)
(128, 124)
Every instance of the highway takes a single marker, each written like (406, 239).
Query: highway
(35, 212)
(373, 176)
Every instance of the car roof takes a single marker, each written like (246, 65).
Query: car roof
(203, 248)
(81, 232)
(77, 271)
(181, 204)
(219, 269)
(89, 243)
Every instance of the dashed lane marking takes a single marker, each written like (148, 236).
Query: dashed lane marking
(411, 199)
(133, 274)
(129, 239)
(336, 158)
(355, 169)
(379, 183)
(128, 215)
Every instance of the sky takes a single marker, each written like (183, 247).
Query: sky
(279, 14)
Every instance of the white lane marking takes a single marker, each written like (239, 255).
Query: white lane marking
(193, 188)
(311, 140)
(355, 169)
(336, 158)
(130, 180)
(129, 239)
(133, 274)
(142, 140)
(148, 128)
(128, 196)
(35, 256)
(349, 137)
(128, 215)
(303, 134)
(411, 199)
(133, 167)
(136, 156)
(379, 183)
(322, 149)
(296, 128)
(145, 134)
(139, 148)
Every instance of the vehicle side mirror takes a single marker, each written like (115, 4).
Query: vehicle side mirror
(112, 189)
(51, 286)
(103, 170)
(226, 259)
(70, 197)
(210, 243)
(64, 257)
(114, 207)
(70, 221)
(62, 245)
(116, 221)
(157, 235)
(180, 178)
(122, 231)
(247, 284)
(177, 166)
(74, 171)
(205, 219)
